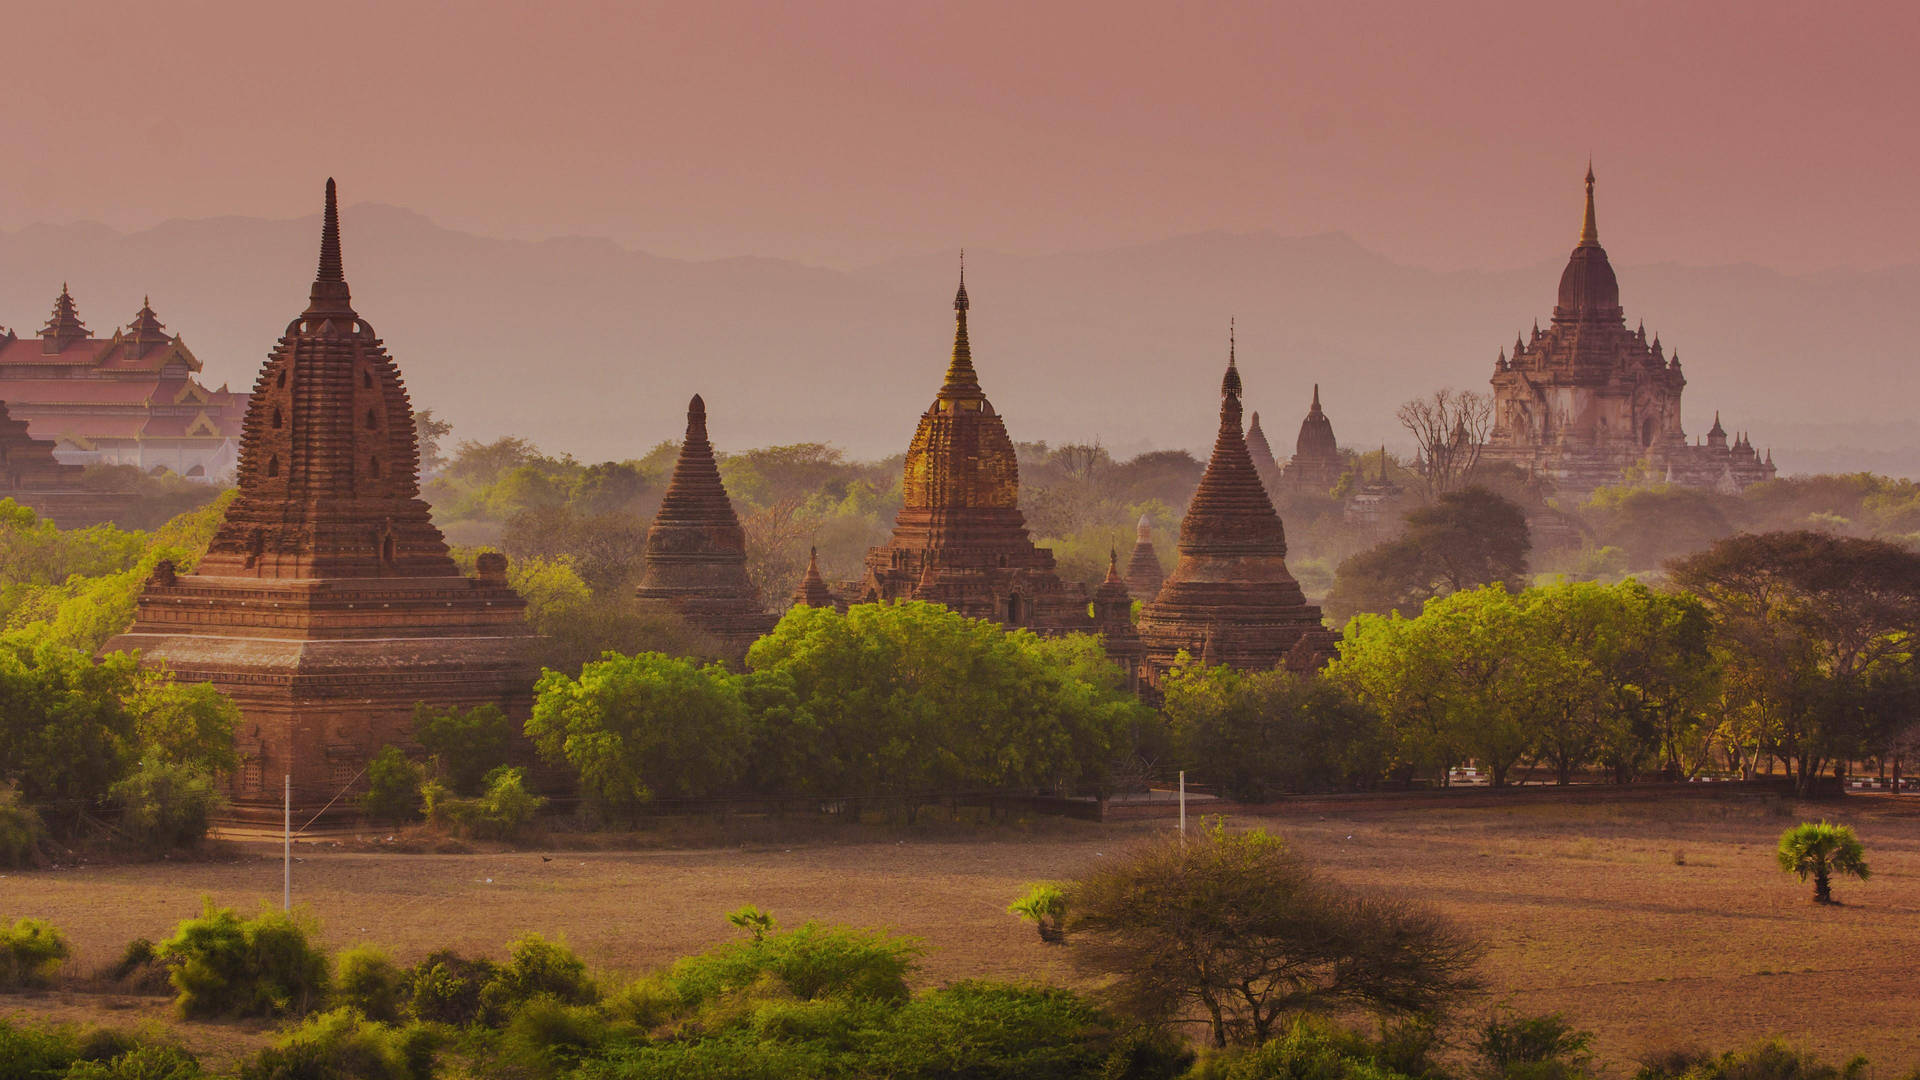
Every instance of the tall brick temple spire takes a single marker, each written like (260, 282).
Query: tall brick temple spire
(696, 551)
(327, 605)
(1231, 596)
(1144, 573)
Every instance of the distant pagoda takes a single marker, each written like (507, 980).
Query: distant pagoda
(327, 605)
(1316, 464)
(1588, 400)
(1144, 573)
(1261, 451)
(960, 539)
(1230, 600)
(1113, 618)
(696, 554)
(812, 590)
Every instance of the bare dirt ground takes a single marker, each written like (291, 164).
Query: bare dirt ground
(1653, 923)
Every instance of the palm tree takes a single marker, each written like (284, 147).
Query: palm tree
(1821, 851)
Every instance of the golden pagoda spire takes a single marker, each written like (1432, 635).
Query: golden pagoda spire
(962, 381)
(1589, 232)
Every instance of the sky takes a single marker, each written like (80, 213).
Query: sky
(842, 133)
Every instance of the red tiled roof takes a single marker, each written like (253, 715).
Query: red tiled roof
(85, 391)
(26, 350)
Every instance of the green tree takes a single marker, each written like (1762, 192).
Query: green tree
(634, 728)
(1256, 734)
(65, 733)
(464, 744)
(1819, 850)
(1463, 540)
(393, 786)
(1237, 928)
(1816, 636)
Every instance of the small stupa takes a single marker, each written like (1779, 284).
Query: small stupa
(696, 558)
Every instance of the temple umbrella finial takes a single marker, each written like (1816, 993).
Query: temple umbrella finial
(330, 297)
(1589, 231)
(1230, 385)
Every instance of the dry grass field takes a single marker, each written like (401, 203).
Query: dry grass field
(1653, 923)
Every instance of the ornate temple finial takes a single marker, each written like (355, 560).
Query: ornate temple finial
(1589, 232)
(1230, 385)
(330, 266)
(1143, 531)
(697, 417)
(1316, 397)
(330, 296)
(63, 326)
(1113, 566)
(961, 380)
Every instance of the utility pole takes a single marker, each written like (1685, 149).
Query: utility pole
(286, 848)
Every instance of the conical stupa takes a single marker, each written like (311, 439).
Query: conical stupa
(812, 590)
(696, 551)
(1230, 597)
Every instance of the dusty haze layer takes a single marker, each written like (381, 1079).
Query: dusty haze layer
(590, 348)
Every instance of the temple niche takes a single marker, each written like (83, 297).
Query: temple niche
(696, 558)
(1585, 401)
(327, 605)
(1231, 600)
(960, 539)
(1316, 465)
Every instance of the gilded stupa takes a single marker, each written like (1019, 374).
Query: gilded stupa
(960, 539)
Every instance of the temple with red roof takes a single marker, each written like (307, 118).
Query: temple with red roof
(130, 398)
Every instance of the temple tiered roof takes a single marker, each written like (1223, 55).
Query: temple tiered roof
(696, 551)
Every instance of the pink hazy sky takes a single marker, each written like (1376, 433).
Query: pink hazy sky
(1444, 134)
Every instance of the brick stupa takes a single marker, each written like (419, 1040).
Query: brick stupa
(960, 539)
(697, 553)
(812, 590)
(1144, 573)
(1261, 451)
(1230, 600)
(327, 604)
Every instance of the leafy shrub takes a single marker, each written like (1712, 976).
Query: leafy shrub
(502, 813)
(1310, 1049)
(34, 1052)
(546, 1036)
(445, 988)
(1771, 1059)
(139, 968)
(30, 951)
(367, 980)
(465, 744)
(345, 1045)
(1532, 1047)
(222, 964)
(809, 962)
(22, 833)
(535, 968)
(166, 805)
(393, 787)
(142, 1062)
(1046, 905)
(991, 1031)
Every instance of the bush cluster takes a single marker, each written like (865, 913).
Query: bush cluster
(223, 964)
(30, 951)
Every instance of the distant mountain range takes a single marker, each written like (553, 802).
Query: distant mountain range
(589, 348)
